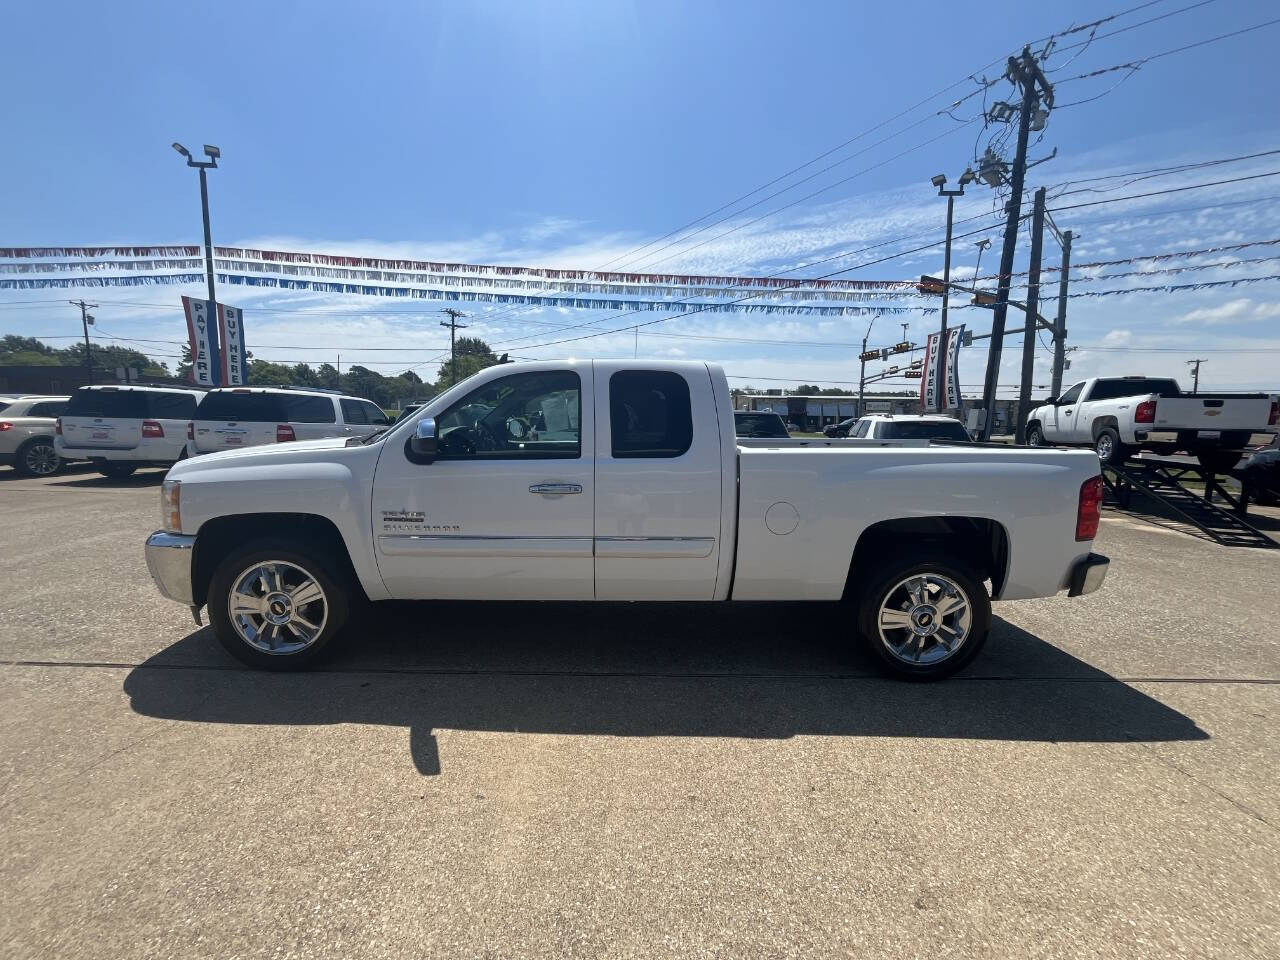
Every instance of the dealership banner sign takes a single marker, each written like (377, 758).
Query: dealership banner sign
(204, 344)
(235, 365)
(937, 397)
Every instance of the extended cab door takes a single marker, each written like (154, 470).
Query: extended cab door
(505, 511)
(658, 482)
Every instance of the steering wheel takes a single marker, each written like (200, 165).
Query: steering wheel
(486, 439)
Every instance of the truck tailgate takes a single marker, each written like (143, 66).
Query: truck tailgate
(1212, 413)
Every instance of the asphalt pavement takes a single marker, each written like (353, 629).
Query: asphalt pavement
(507, 780)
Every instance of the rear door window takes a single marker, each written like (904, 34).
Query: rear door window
(925, 430)
(305, 409)
(1116, 389)
(171, 406)
(115, 404)
(649, 414)
(50, 408)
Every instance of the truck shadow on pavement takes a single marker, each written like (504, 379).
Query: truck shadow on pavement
(753, 671)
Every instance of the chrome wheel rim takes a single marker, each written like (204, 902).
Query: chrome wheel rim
(925, 619)
(1034, 438)
(41, 459)
(277, 607)
(1104, 447)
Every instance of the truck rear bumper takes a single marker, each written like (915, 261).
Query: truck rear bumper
(169, 561)
(1088, 575)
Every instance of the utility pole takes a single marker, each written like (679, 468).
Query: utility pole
(1025, 72)
(1031, 328)
(1060, 321)
(862, 375)
(1195, 374)
(454, 326)
(86, 318)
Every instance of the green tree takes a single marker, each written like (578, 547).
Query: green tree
(265, 374)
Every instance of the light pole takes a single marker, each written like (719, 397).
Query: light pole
(213, 153)
(940, 181)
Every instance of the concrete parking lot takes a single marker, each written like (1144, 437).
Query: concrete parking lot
(495, 780)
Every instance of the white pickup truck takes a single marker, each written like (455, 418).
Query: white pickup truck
(619, 480)
(1118, 416)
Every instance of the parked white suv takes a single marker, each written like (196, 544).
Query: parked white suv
(120, 429)
(26, 434)
(887, 426)
(233, 417)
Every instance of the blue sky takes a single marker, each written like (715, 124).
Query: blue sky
(568, 133)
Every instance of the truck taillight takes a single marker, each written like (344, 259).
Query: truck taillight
(152, 428)
(1090, 509)
(1145, 412)
(284, 433)
(191, 430)
(1275, 414)
(57, 427)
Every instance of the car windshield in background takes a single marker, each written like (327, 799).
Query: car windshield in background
(127, 404)
(760, 425)
(925, 430)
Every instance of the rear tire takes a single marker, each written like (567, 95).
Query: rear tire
(1108, 447)
(38, 458)
(921, 616)
(1219, 461)
(274, 608)
(116, 471)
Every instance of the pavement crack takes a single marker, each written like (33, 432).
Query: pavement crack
(1178, 768)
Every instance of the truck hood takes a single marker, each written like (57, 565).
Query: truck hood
(297, 451)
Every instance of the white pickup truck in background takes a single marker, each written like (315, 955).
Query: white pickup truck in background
(1118, 416)
(619, 480)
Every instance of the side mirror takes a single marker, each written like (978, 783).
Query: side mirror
(1051, 402)
(424, 441)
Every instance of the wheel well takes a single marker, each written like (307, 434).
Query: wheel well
(219, 536)
(1102, 422)
(1034, 423)
(979, 541)
(30, 440)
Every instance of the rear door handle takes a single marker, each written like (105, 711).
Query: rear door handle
(555, 488)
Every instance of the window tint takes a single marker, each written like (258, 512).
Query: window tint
(1071, 396)
(49, 408)
(4, 405)
(299, 408)
(1115, 389)
(125, 404)
(376, 415)
(171, 406)
(767, 425)
(925, 430)
(861, 429)
(353, 412)
(239, 407)
(534, 415)
(649, 414)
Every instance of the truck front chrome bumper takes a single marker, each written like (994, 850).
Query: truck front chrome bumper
(1088, 574)
(169, 560)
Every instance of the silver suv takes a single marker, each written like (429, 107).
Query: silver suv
(233, 417)
(27, 427)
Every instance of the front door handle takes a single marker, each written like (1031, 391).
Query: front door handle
(555, 488)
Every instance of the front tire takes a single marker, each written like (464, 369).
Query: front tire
(274, 608)
(1035, 436)
(38, 458)
(922, 617)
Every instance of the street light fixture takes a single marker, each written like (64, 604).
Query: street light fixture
(213, 153)
(940, 181)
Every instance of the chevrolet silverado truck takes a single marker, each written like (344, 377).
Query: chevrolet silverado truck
(1118, 416)
(621, 481)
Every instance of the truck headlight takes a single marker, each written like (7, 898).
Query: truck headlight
(170, 506)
